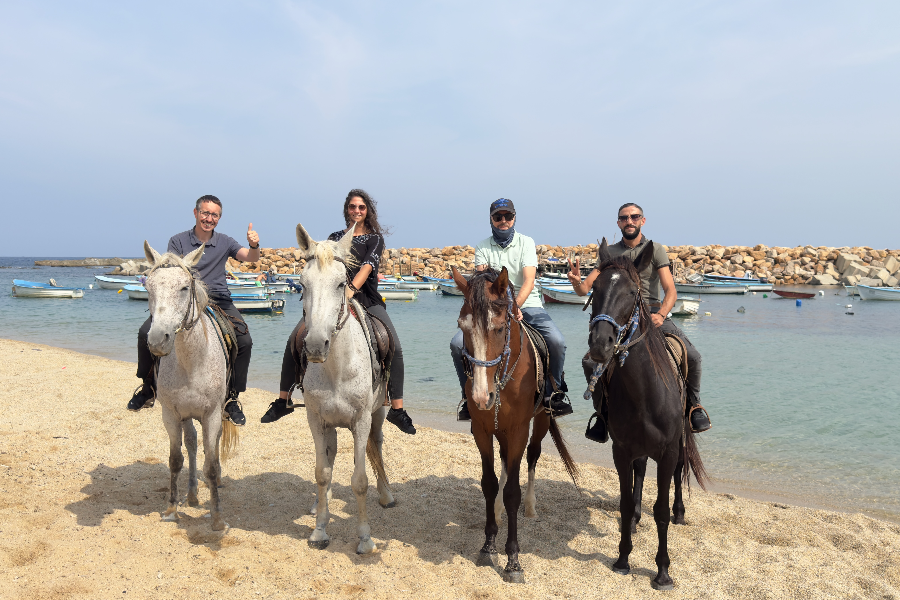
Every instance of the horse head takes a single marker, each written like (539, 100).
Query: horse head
(324, 281)
(484, 320)
(175, 296)
(616, 294)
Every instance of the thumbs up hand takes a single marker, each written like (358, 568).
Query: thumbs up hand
(252, 237)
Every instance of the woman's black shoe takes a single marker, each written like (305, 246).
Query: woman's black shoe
(398, 417)
(597, 432)
(276, 410)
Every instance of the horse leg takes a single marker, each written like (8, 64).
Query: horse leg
(190, 442)
(664, 469)
(640, 471)
(385, 497)
(512, 498)
(489, 487)
(625, 470)
(212, 468)
(678, 504)
(359, 483)
(176, 461)
(326, 448)
(541, 426)
(498, 503)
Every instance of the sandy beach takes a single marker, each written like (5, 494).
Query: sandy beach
(84, 483)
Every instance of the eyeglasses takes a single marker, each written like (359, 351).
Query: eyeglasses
(633, 218)
(209, 215)
(498, 217)
(357, 207)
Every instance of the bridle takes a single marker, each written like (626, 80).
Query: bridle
(624, 340)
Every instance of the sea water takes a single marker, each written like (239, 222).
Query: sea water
(802, 398)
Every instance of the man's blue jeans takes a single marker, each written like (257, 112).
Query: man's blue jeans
(539, 319)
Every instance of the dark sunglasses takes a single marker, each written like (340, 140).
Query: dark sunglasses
(498, 217)
(633, 218)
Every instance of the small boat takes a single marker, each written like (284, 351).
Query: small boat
(115, 283)
(392, 293)
(449, 289)
(136, 292)
(36, 289)
(878, 293)
(257, 304)
(789, 294)
(709, 288)
(561, 296)
(685, 306)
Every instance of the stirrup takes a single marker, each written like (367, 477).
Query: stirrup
(691, 414)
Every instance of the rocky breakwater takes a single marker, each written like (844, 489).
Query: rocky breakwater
(814, 265)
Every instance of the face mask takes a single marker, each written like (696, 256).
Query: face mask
(503, 238)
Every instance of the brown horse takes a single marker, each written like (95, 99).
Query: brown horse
(504, 390)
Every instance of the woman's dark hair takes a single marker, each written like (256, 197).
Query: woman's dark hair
(371, 221)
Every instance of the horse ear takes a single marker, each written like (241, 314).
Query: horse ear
(502, 282)
(305, 243)
(151, 254)
(192, 258)
(346, 243)
(461, 282)
(644, 258)
(603, 252)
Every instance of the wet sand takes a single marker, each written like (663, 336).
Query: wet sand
(83, 483)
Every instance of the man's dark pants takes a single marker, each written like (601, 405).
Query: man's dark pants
(241, 363)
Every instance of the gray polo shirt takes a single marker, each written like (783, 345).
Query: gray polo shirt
(650, 288)
(211, 267)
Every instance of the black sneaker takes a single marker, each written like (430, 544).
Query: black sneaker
(699, 419)
(398, 417)
(558, 404)
(463, 414)
(234, 413)
(598, 431)
(276, 410)
(144, 397)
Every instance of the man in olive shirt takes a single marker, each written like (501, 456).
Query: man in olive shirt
(656, 275)
(218, 248)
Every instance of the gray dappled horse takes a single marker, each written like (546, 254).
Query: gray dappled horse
(338, 385)
(646, 408)
(191, 377)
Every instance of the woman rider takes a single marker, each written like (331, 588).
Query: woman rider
(368, 245)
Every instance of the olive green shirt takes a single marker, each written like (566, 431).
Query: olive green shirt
(650, 287)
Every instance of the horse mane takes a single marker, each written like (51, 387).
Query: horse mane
(653, 338)
(479, 300)
(170, 260)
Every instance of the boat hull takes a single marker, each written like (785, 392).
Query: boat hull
(877, 293)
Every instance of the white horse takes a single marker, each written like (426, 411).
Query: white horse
(337, 387)
(191, 378)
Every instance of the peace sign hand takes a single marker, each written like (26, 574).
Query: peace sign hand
(574, 273)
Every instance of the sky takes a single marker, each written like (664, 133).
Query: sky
(730, 122)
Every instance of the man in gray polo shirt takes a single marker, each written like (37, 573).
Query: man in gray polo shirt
(211, 268)
(656, 275)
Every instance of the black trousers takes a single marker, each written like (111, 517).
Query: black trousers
(241, 363)
(395, 385)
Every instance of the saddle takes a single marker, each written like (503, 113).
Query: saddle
(225, 331)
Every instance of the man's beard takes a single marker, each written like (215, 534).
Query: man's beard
(632, 235)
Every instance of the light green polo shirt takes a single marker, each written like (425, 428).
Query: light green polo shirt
(518, 254)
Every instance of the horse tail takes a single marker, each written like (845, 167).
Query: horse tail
(692, 460)
(375, 460)
(560, 443)
(229, 442)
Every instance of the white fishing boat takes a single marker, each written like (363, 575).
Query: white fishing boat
(136, 292)
(115, 283)
(392, 293)
(449, 289)
(878, 293)
(561, 296)
(35, 289)
(708, 288)
(257, 304)
(685, 306)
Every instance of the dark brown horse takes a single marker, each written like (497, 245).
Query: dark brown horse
(502, 396)
(646, 408)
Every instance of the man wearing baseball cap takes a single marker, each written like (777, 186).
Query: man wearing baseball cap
(508, 248)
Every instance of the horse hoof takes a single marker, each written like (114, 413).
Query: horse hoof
(486, 559)
(514, 576)
(318, 544)
(390, 504)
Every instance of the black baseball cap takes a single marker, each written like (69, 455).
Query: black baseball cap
(502, 205)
